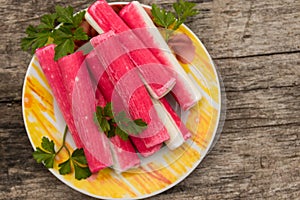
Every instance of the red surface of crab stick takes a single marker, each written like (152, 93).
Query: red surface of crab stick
(69, 67)
(82, 97)
(104, 84)
(100, 100)
(107, 88)
(137, 18)
(103, 18)
(52, 72)
(128, 85)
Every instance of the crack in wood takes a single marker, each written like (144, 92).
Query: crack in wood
(256, 55)
(261, 88)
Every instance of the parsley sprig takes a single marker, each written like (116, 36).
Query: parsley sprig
(64, 36)
(118, 124)
(171, 21)
(46, 154)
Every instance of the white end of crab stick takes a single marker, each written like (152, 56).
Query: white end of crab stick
(174, 132)
(93, 23)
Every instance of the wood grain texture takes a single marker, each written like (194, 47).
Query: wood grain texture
(256, 46)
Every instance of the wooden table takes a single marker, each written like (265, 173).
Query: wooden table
(256, 46)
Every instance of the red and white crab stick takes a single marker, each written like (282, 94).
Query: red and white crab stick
(80, 121)
(124, 76)
(185, 92)
(107, 88)
(103, 18)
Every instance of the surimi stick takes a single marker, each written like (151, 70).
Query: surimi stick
(106, 87)
(125, 78)
(56, 81)
(103, 19)
(137, 18)
(176, 138)
(175, 118)
(45, 56)
(128, 85)
(80, 87)
(176, 128)
(101, 77)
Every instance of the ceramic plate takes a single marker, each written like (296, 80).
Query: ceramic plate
(157, 173)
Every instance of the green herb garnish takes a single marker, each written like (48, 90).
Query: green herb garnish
(162, 17)
(172, 20)
(40, 35)
(64, 36)
(118, 124)
(183, 10)
(79, 162)
(46, 155)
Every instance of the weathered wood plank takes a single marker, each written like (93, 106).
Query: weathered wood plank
(260, 72)
(252, 27)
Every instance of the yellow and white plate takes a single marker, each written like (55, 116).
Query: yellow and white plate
(157, 173)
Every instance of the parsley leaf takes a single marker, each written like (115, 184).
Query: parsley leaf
(47, 22)
(112, 132)
(140, 126)
(104, 124)
(64, 36)
(173, 20)
(183, 10)
(45, 155)
(101, 119)
(78, 156)
(65, 15)
(123, 135)
(81, 172)
(121, 117)
(41, 156)
(36, 38)
(48, 145)
(80, 165)
(140, 122)
(162, 17)
(118, 124)
(77, 19)
(79, 162)
(79, 34)
(124, 124)
(65, 167)
(108, 110)
(63, 48)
